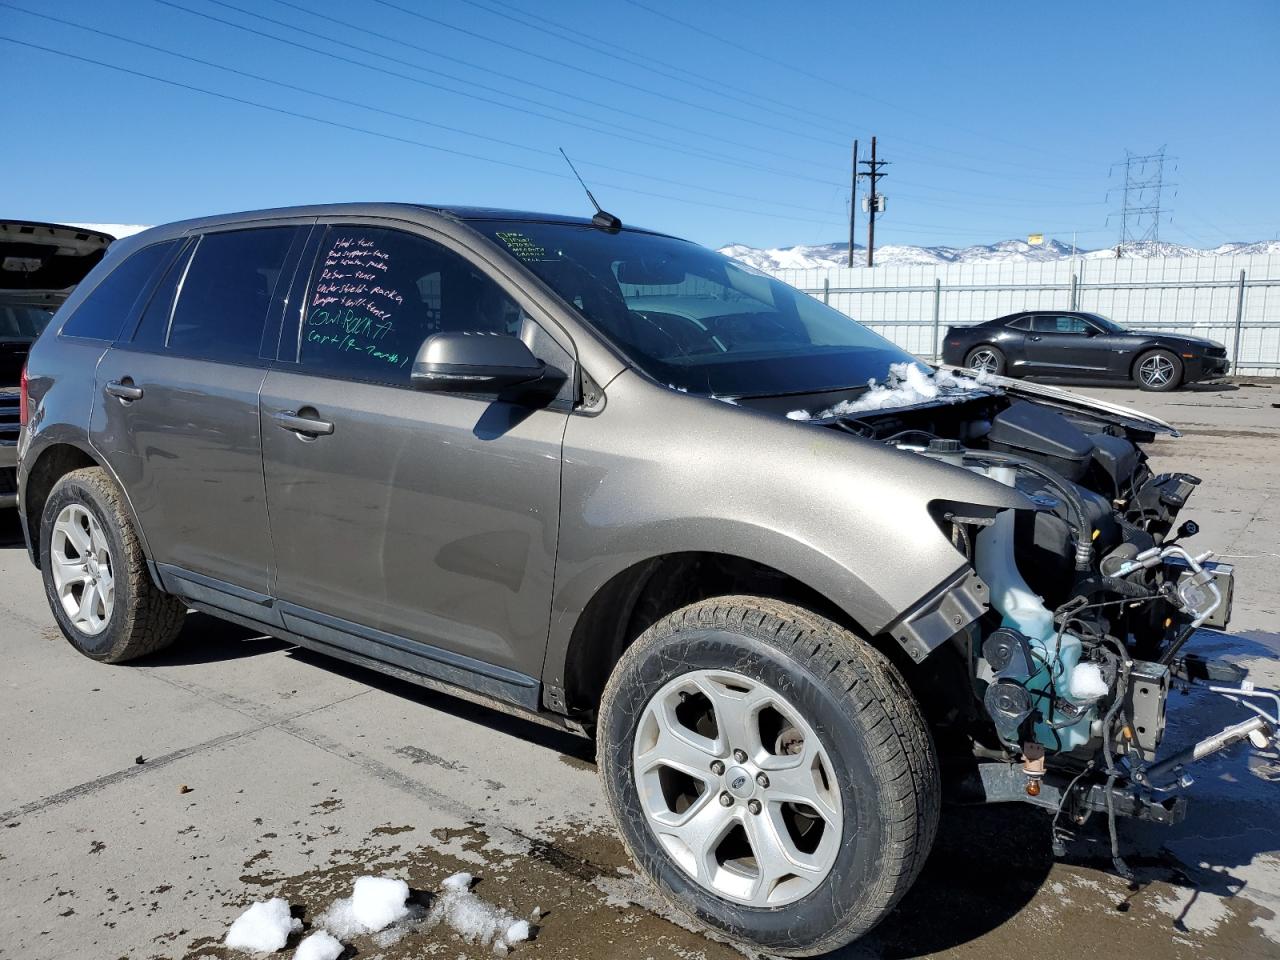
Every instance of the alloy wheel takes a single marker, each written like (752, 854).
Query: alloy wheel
(738, 788)
(82, 571)
(984, 361)
(1156, 371)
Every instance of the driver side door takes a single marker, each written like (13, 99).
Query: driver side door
(1062, 345)
(414, 528)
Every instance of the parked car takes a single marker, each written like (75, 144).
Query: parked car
(40, 264)
(1084, 346)
(569, 469)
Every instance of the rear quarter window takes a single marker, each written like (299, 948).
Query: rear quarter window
(226, 291)
(102, 314)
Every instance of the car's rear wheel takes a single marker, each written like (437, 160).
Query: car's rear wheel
(95, 574)
(769, 771)
(986, 359)
(1158, 370)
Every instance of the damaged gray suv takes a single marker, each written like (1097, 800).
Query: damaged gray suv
(791, 580)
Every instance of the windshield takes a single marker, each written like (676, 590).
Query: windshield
(20, 321)
(1107, 324)
(694, 319)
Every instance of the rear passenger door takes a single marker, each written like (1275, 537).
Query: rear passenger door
(411, 527)
(176, 412)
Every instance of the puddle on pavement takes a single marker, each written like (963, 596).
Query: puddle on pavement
(990, 883)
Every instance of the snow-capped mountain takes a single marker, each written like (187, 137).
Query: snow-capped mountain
(892, 255)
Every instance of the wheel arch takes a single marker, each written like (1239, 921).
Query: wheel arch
(646, 591)
(48, 465)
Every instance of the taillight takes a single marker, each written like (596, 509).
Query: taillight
(24, 405)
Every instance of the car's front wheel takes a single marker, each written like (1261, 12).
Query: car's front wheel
(95, 574)
(986, 359)
(769, 771)
(1158, 370)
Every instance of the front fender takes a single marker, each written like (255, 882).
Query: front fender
(659, 472)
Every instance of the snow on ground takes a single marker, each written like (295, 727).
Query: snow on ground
(475, 920)
(380, 906)
(375, 903)
(263, 928)
(907, 384)
(321, 945)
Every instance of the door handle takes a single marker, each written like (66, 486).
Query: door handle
(124, 390)
(308, 426)
(1036, 338)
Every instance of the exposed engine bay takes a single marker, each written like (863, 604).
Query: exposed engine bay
(1092, 594)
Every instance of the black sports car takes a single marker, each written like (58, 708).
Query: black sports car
(1067, 344)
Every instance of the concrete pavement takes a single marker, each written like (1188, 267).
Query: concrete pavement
(268, 770)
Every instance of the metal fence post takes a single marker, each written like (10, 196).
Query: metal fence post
(1235, 352)
(937, 314)
(1075, 281)
(826, 290)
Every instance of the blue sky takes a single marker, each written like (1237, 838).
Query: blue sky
(720, 121)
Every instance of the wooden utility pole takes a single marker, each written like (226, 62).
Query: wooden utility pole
(873, 175)
(853, 199)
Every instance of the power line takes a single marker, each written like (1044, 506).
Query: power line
(610, 48)
(524, 82)
(390, 113)
(590, 73)
(298, 115)
(622, 133)
(827, 81)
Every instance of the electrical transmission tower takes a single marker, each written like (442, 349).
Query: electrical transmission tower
(1140, 210)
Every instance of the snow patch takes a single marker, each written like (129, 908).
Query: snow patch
(476, 920)
(321, 945)
(906, 384)
(263, 928)
(1086, 683)
(375, 903)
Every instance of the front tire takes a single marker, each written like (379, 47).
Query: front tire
(986, 359)
(698, 728)
(1158, 370)
(95, 574)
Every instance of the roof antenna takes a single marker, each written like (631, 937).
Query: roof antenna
(602, 218)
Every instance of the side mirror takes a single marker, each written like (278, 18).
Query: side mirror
(484, 363)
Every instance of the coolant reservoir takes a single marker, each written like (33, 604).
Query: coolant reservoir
(1022, 610)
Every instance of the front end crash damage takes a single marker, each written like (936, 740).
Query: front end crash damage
(1072, 620)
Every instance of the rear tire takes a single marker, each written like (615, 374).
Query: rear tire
(95, 574)
(1158, 370)
(985, 357)
(774, 681)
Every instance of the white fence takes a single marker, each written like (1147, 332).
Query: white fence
(1234, 300)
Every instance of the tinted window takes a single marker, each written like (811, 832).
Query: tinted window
(102, 313)
(153, 325)
(1059, 325)
(376, 295)
(226, 292)
(1020, 323)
